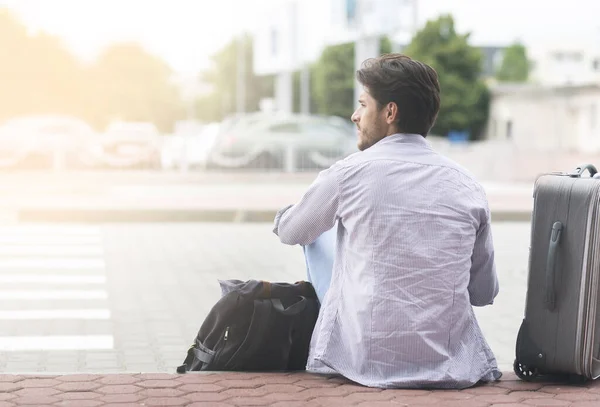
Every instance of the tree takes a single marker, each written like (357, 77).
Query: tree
(37, 74)
(334, 77)
(515, 65)
(333, 81)
(464, 95)
(128, 83)
(222, 77)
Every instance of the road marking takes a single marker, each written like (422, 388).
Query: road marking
(50, 250)
(55, 314)
(51, 279)
(52, 294)
(52, 264)
(50, 342)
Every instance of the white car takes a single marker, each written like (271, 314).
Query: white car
(192, 150)
(42, 141)
(126, 145)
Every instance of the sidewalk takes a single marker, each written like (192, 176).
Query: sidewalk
(272, 389)
(248, 200)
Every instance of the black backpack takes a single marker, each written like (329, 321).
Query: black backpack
(256, 326)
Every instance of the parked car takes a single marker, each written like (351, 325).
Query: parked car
(285, 141)
(190, 149)
(126, 145)
(41, 142)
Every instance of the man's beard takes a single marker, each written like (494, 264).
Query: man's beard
(367, 139)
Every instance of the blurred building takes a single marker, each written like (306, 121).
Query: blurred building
(566, 64)
(553, 118)
(558, 109)
(491, 58)
(294, 33)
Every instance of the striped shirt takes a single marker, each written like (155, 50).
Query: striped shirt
(414, 254)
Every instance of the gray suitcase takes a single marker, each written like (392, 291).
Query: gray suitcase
(560, 333)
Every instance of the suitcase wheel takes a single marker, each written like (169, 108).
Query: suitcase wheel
(525, 372)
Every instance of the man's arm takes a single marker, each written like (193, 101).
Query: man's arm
(483, 285)
(316, 212)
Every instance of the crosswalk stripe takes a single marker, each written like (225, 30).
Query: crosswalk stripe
(52, 263)
(56, 342)
(52, 240)
(53, 273)
(50, 250)
(52, 294)
(52, 303)
(40, 229)
(51, 279)
(55, 314)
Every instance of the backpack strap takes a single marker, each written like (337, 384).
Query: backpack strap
(266, 290)
(202, 356)
(194, 356)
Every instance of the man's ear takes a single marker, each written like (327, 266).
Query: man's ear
(391, 115)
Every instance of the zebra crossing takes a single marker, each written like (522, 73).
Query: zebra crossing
(53, 289)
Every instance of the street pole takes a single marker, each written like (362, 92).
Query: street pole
(305, 90)
(366, 46)
(358, 49)
(185, 162)
(241, 76)
(415, 17)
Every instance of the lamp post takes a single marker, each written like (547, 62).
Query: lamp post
(240, 88)
(367, 42)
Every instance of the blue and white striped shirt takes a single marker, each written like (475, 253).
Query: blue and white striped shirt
(414, 253)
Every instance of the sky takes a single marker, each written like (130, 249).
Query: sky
(186, 32)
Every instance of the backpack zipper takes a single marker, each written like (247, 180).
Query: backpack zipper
(226, 334)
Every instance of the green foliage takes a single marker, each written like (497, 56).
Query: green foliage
(37, 74)
(132, 85)
(333, 81)
(385, 45)
(464, 97)
(515, 65)
(333, 77)
(222, 77)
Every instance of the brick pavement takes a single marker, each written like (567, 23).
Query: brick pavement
(273, 389)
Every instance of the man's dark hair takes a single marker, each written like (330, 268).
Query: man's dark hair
(412, 85)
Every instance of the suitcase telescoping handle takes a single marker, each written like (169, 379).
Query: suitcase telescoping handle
(550, 265)
(581, 169)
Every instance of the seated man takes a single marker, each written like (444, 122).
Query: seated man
(412, 245)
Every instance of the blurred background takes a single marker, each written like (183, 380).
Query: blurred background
(145, 147)
(268, 85)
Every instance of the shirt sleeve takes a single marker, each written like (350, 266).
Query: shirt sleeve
(483, 283)
(314, 214)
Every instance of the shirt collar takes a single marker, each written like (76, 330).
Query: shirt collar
(406, 138)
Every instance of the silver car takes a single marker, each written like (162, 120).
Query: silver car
(291, 142)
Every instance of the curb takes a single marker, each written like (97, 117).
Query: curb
(285, 389)
(185, 215)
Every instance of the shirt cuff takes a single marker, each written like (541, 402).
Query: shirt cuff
(278, 219)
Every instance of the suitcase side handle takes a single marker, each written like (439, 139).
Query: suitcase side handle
(550, 265)
(581, 169)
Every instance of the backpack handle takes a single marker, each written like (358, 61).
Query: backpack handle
(294, 309)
